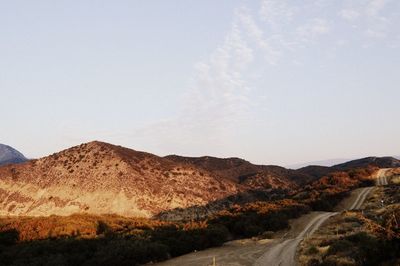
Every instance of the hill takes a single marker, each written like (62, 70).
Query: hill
(328, 162)
(243, 172)
(99, 178)
(102, 178)
(381, 162)
(9, 155)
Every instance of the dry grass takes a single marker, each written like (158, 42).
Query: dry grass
(77, 225)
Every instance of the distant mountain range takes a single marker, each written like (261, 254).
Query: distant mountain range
(9, 155)
(329, 162)
(332, 162)
(382, 162)
(99, 178)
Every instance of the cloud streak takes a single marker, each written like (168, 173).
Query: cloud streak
(219, 99)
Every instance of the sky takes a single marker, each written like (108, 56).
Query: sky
(273, 82)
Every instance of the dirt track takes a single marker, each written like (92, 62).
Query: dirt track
(279, 251)
(283, 252)
(242, 252)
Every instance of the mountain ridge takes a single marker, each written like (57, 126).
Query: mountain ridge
(382, 162)
(9, 155)
(98, 178)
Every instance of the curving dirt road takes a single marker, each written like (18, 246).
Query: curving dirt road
(283, 252)
(244, 252)
(280, 251)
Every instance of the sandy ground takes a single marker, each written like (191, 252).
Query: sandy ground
(280, 250)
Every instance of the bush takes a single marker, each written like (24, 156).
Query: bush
(102, 251)
(366, 249)
(342, 245)
(217, 235)
(103, 229)
(312, 250)
(9, 237)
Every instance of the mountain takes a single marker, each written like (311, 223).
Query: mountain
(381, 162)
(243, 172)
(102, 178)
(329, 163)
(9, 155)
(316, 171)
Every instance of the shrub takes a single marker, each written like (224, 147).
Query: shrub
(102, 228)
(312, 250)
(9, 237)
(342, 245)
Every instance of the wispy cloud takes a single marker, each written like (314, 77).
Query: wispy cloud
(374, 7)
(276, 13)
(219, 89)
(219, 100)
(349, 14)
(313, 28)
(256, 35)
(369, 18)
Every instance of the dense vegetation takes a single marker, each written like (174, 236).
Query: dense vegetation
(365, 249)
(325, 193)
(115, 240)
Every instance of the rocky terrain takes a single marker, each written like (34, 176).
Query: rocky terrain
(9, 155)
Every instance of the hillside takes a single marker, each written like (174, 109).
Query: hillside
(245, 173)
(98, 178)
(328, 163)
(102, 178)
(103, 195)
(9, 155)
(381, 162)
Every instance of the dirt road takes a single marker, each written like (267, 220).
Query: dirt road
(382, 177)
(244, 252)
(280, 251)
(362, 195)
(283, 251)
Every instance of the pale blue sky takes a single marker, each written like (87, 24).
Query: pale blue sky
(274, 82)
